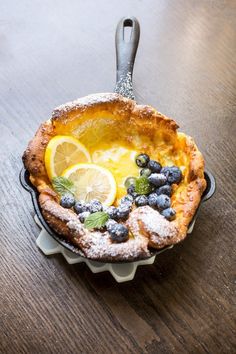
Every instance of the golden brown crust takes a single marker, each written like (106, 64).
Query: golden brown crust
(116, 113)
(187, 201)
(33, 157)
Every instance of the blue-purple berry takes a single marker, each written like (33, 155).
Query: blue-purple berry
(80, 207)
(123, 211)
(95, 206)
(157, 179)
(141, 200)
(127, 199)
(111, 211)
(152, 200)
(87, 206)
(173, 174)
(169, 214)
(154, 166)
(118, 233)
(131, 191)
(110, 224)
(67, 201)
(163, 202)
(166, 189)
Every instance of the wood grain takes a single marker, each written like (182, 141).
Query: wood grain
(52, 52)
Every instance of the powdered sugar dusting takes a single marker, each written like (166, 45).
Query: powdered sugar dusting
(125, 87)
(148, 227)
(84, 102)
(54, 209)
(94, 243)
(101, 245)
(98, 245)
(150, 223)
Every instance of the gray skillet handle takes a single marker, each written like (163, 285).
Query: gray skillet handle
(125, 55)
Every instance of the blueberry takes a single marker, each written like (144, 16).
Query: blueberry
(110, 224)
(164, 190)
(169, 214)
(130, 181)
(152, 200)
(87, 207)
(163, 202)
(131, 191)
(145, 172)
(154, 166)
(157, 179)
(83, 216)
(173, 174)
(118, 233)
(142, 160)
(111, 211)
(141, 200)
(67, 201)
(79, 207)
(95, 205)
(128, 205)
(123, 212)
(127, 199)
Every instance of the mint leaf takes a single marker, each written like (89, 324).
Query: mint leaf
(142, 185)
(63, 185)
(96, 220)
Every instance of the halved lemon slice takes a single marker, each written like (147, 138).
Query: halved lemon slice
(92, 182)
(63, 151)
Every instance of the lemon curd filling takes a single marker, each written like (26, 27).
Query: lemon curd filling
(119, 160)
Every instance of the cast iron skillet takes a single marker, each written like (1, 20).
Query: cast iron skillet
(126, 49)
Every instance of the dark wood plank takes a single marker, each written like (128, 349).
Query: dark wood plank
(52, 52)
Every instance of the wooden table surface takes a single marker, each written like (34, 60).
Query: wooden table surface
(54, 51)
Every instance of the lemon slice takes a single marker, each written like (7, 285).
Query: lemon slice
(92, 182)
(63, 151)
